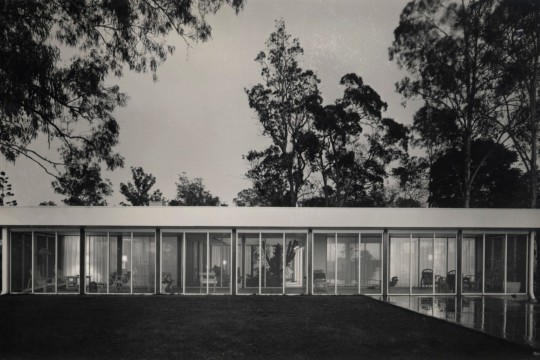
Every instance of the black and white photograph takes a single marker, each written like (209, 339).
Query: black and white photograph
(269, 179)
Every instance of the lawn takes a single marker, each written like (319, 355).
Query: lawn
(225, 327)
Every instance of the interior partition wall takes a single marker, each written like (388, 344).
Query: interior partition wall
(495, 263)
(422, 263)
(271, 262)
(347, 263)
(196, 262)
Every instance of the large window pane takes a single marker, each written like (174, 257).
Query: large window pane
(422, 264)
(144, 263)
(370, 264)
(295, 264)
(399, 275)
(516, 273)
(97, 246)
(44, 259)
(68, 264)
(324, 264)
(220, 261)
(494, 275)
(21, 262)
(445, 264)
(171, 263)
(347, 264)
(120, 263)
(472, 264)
(197, 264)
(248, 263)
(272, 264)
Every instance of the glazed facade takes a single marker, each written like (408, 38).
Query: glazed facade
(267, 251)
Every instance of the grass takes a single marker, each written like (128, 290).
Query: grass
(225, 327)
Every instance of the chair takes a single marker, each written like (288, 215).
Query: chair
(427, 278)
(168, 281)
(319, 279)
(207, 278)
(469, 282)
(118, 281)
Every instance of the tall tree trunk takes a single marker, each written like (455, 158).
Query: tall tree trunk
(534, 136)
(467, 180)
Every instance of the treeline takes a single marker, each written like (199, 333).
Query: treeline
(473, 64)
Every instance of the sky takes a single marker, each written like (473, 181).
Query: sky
(196, 119)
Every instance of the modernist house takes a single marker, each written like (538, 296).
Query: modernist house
(222, 250)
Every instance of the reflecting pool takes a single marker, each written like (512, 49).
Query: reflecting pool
(510, 319)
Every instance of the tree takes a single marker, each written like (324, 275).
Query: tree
(498, 183)
(515, 36)
(6, 191)
(81, 181)
(56, 55)
(355, 144)
(138, 192)
(442, 45)
(281, 106)
(249, 198)
(193, 193)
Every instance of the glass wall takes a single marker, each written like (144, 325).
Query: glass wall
(399, 275)
(347, 263)
(422, 263)
(281, 258)
(171, 263)
(296, 263)
(97, 255)
(495, 263)
(43, 261)
(144, 263)
(21, 262)
(445, 261)
(370, 263)
(472, 263)
(68, 262)
(119, 263)
(220, 262)
(268, 262)
(516, 257)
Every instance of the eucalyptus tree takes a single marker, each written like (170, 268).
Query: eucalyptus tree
(356, 144)
(55, 58)
(137, 193)
(80, 181)
(6, 191)
(192, 192)
(515, 37)
(281, 104)
(442, 45)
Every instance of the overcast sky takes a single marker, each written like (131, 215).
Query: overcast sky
(196, 117)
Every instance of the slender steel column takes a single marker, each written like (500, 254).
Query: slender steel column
(459, 258)
(157, 289)
(532, 257)
(385, 264)
(5, 261)
(82, 262)
(234, 271)
(309, 259)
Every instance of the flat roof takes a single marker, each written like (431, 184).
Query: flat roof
(268, 217)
